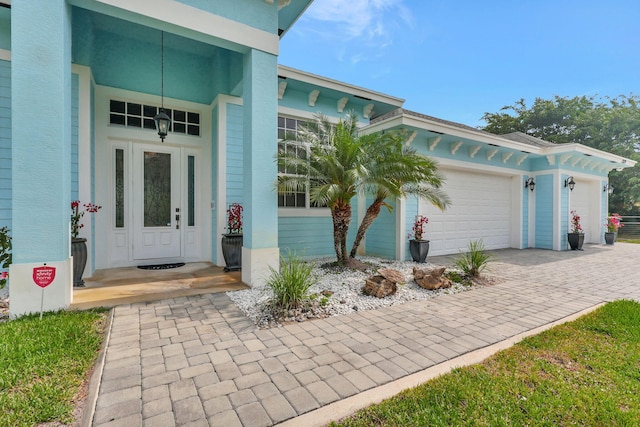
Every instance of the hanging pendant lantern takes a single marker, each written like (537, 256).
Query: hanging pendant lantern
(162, 120)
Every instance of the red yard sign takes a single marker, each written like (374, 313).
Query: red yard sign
(43, 276)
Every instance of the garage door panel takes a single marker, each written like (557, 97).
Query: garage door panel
(481, 209)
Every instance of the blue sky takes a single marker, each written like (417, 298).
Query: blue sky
(459, 59)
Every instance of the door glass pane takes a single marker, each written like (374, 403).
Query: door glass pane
(119, 188)
(157, 189)
(191, 191)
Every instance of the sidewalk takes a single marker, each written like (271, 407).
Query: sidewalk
(198, 361)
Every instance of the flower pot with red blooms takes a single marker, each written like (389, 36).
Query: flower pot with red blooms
(418, 247)
(614, 222)
(576, 236)
(232, 240)
(79, 244)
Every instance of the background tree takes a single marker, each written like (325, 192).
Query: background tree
(610, 124)
(342, 162)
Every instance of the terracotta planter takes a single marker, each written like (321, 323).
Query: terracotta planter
(419, 250)
(575, 241)
(79, 254)
(232, 251)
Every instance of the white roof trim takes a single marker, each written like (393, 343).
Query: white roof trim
(325, 82)
(431, 125)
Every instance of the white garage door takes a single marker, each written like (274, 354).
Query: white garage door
(481, 209)
(585, 200)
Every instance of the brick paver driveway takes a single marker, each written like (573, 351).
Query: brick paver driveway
(198, 361)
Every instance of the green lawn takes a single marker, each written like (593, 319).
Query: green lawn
(584, 373)
(43, 363)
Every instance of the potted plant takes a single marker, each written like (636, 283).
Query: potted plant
(232, 239)
(614, 222)
(576, 236)
(418, 247)
(79, 244)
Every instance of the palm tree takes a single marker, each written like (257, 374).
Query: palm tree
(340, 162)
(397, 171)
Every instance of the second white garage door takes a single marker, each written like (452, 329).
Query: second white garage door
(481, 209)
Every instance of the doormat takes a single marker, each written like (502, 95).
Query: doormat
(161, 266)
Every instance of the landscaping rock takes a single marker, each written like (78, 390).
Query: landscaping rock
(392, 275)
(379, 287)
(431, 278)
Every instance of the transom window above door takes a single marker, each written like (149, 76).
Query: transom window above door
(135, 115)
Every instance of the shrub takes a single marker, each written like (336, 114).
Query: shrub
(475, 260)
(291, 284)
(5, 254)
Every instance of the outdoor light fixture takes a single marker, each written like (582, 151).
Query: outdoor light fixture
(569, 182)
(608, 188)
(162, 119)
(530, 184)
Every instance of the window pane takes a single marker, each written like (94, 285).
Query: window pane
(193, 118)
(117, 107)
(191, 191)
(119, 190)
(157, 189)
(116, 119)
(134, 109)
(193, 130)
(134, 121)
(179, 116)
(291, 124)
(150, 111)
(149, 124)
(179, 127)
(301, 200)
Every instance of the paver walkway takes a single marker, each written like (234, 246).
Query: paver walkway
(197, 361)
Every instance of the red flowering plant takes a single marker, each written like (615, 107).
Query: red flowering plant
(77, 214)
(234, 218)
(418, 227)
(614, 222)
(575, 223)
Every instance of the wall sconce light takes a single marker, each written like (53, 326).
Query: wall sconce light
(569, 182)
(530, 184)
(608, 188)
(163, 121)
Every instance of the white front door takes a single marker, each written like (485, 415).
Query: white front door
(156, 202)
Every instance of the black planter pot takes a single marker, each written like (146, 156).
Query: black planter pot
(419, 250)
(609, 238)
(232, 251)
(575, 241)
(79, 254)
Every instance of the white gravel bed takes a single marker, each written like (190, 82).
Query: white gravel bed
(347, 291)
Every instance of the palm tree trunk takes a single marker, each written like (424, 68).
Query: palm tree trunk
(372, 213)
(341, 215)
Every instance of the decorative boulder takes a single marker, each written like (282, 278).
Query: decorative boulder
(431, 278)
(383, 284)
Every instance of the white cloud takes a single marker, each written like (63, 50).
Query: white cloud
(368, 21)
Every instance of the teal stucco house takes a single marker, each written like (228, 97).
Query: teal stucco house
(81, 82)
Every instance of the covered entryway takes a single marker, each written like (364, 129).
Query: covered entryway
(481, 209)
